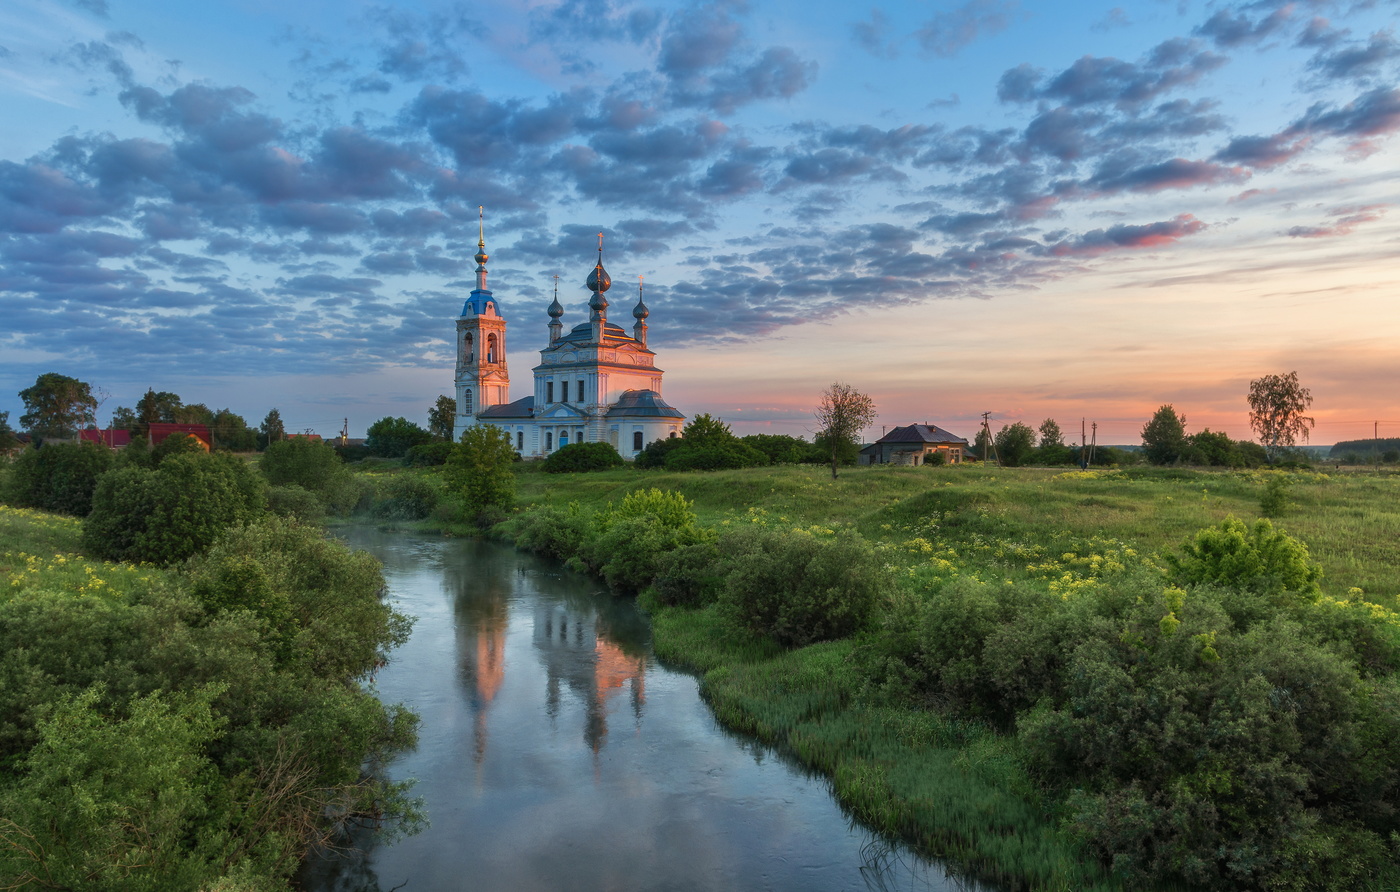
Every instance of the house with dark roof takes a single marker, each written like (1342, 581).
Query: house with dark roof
(160, 430)
(596, 383)
(915, 444)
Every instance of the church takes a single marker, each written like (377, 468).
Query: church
(595, 384)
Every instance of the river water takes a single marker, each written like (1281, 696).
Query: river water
(556, 753)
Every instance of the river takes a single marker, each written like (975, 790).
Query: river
(556, 753)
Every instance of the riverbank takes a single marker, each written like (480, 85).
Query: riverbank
(928, 755)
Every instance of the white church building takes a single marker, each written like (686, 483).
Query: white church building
(595, 384)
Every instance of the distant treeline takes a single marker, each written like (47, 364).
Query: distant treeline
(1364, 447)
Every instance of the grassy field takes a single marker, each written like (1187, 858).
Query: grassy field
(1350, 521)
(959, 788)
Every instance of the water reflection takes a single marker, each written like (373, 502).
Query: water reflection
(555, 753)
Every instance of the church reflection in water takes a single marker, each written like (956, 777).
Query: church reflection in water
(595, 654)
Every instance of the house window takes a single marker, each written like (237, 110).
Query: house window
(580, 391)
(549, 391)
(519, 441)
(548, 440)
(636, 441)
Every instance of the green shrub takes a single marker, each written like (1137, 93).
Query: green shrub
(59, 477)
(625, 542)
(481, 468)
(656, 453)
(582, 457)
(299, 461)
(406, 497)
(799, 587)
(175, 444)
(689, 576)
(1274, 501)
(296, 502)
(393, 437)
(428, 455)
(1257, 558)
(552, 531)
(322, 601)
(715, 458)
(177, 510)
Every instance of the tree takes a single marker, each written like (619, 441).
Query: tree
(482, 469)
(7, 434)
(1052, 449)
(706, 431)
(1050, 434)
(1164, 436)
(310, 464)
(843, 413)
(1015, 443)
(231, 432)
(155, 407)
(393, 437)
(57, 406)
(177, 510)
(442, 418)
(1276, 407)
(60, 477)
(124, 419)
(271, 429)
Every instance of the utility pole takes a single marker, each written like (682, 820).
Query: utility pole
(1094, 443)
(1083, 446)
(987, 439)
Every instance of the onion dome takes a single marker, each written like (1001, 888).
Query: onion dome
(481, 256)
(640, 311)
(555, 309)
(599, 280)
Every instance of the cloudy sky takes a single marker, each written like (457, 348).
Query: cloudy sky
(1024, 207)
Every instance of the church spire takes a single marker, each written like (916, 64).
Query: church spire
(481, 255)
(556, 328)
(598, 282)
(640, 313)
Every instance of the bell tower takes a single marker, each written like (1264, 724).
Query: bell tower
(483, 380)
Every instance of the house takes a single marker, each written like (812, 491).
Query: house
(915, 444)
(160, 430)
(112, 438)
(595, 384)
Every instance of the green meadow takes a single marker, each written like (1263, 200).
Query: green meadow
(951, 760)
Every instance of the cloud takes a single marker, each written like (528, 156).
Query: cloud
(1176, 173)
(1358, 62)
(1229, 28)
(872, 36)
(1345, 222)
(1129, 237)
(1093, 80)
(946, 34)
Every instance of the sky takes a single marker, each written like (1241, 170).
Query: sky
(1027, 208)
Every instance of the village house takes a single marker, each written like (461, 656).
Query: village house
(915, 444)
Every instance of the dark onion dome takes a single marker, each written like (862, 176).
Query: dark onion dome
(598, 280)
(642, 404)
(555, 310)
(481, 256)
(640, 310)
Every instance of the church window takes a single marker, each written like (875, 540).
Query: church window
(548, 440)
(563, 439)
(519, 440)
(549, 391)
(490, 348)
(580, 391)
(467, 347)
(636, 441)
(467, 402)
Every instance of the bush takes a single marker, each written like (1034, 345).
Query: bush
(175, 444)
(406, 497)
(800, 587)
(582, 457)
(625, 543)
(779, 448)
(295, 502)
(689, 576)
(177, 510)
(656, 453)
(552, 531)
(1258, 559)
(715, 458)
(1274, 501)
(428, 455)
(59, 477)
(310, 464)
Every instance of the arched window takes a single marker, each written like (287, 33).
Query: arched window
(563, 439)
(491, 348)
(468, 345)
(548, 440)
(467, 401)
(636, 441)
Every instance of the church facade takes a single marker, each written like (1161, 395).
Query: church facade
(594, 384)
